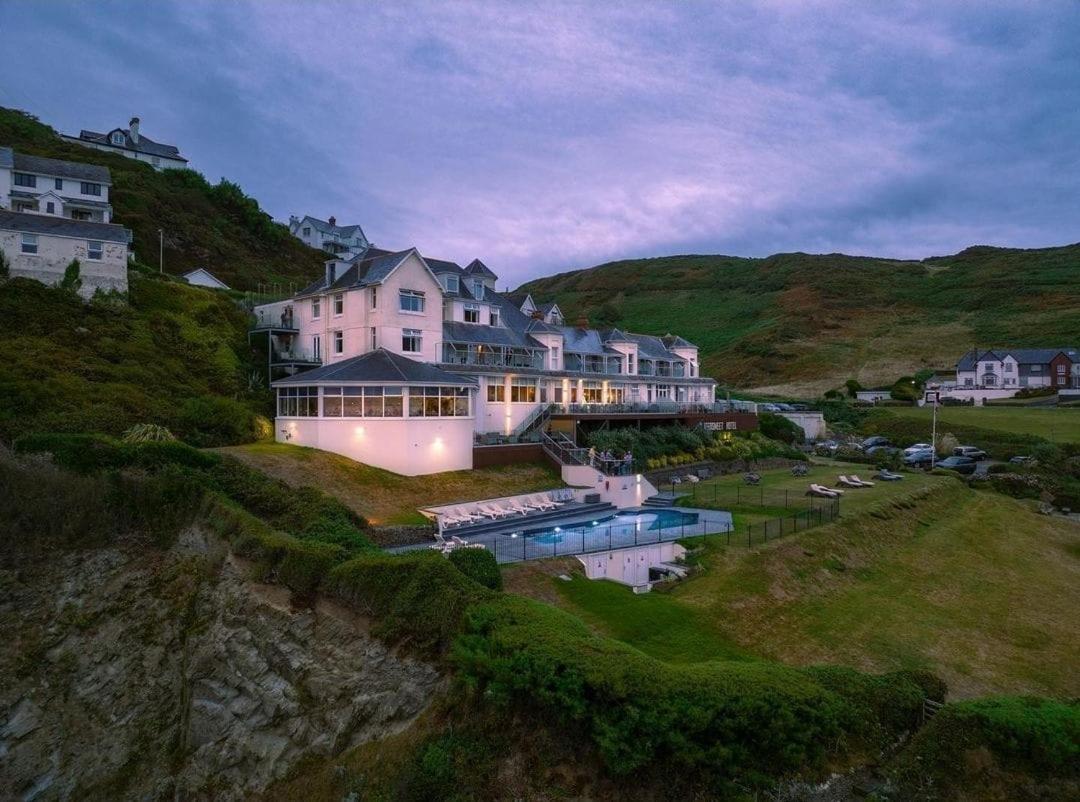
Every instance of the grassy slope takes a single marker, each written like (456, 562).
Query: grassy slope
(388, 498)
(1050, 423)
(799, 323)
(971, 585)
(174, 355)
(212, 227)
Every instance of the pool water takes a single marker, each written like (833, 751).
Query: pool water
(625, 522)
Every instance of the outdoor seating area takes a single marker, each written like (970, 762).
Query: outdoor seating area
(473, 513)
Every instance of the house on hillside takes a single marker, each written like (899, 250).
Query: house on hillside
(36, 185)
(414, 364)
(1016, 368)
(327, 235)
(41, 246)
(133, 144)
(201, 277)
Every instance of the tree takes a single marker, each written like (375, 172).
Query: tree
(905, 389)
(853, 387)
(5, 267)
(606, 315)
(71, 280)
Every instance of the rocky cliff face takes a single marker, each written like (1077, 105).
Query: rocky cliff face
(136, 674)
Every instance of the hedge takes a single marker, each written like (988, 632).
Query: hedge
(479, 565)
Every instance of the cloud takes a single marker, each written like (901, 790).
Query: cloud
(545, 136)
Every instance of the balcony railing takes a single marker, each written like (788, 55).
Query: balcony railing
(673, 370)
(271, 323)
(655, 407)
(295, 357)
(492, 356)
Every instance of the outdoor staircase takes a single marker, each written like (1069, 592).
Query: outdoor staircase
(535, 421)
(665, 498)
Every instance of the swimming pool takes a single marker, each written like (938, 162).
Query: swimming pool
(620, 525)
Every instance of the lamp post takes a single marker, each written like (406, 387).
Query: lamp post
(161, 250)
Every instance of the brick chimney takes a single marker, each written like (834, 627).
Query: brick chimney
(582, 323)
(332, 221)
(133, 130)
(537, 315)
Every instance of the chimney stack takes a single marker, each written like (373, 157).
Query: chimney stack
(537, 315)
(332, 221)
(133, 129)
(582, 323)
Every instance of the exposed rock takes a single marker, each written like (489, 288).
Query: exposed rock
(133, 674)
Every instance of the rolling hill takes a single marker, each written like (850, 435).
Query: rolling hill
(215, 226)
(799, 324)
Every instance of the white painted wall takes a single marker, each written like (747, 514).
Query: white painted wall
(158, 162)
(630, 566)
(622, 491)
(55, 254)
(812, 423)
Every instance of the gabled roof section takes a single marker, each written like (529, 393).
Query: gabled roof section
(325, 227)
(581, 341)
(1023, 356)
(548, 307)
(144, 145)
(478, 268)
(616, 336)
(61, 169)
(47, 224)
(455, 331)
(540, 326)
(675, 341)
(377, 366)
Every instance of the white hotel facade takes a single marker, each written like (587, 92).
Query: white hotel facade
(407, 363)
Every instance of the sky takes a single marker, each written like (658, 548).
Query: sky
(544, 137)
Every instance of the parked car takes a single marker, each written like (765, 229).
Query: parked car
(769, 407)
(826, 447)
(970, 451)
(881, 450)
(1022, 459)
(877, 440)
(965, 465)
(919, 459)
(918, 447)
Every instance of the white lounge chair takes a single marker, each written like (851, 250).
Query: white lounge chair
(862, 482)
(847, 482)
(447, 519)
(824, 492)
(542, 503)
(516, 506)
(467, 516)
(491, 511)
(558, 498)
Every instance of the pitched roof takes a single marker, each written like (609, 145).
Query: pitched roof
(1023, 356)
(63, 227)
(478, 268)
(455, 331)
(616, 336)
(7, 157)
(58, 167)
(377, 366)
(144, 145)
(546, 308)
(342, 231)
(675, 341)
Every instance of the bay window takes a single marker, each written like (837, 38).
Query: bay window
(298, 402)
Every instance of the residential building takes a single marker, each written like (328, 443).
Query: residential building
(201, 277)
(41, 246)
(327, 235)
(432, 340)
(1009, 368)
(133, 144)
(54, 187)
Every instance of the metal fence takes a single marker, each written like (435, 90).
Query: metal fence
(742, 495)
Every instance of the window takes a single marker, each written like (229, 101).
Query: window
(412, 301)
(493, 318)
(77, 214)
(316, 346)
(374, 297)
(29, 243)
(316, 308)
(298, 402)
(472, 313)
(93, 250)
(25, 180)
(1008, 367)
(307, 231)
(374, 339)
(478, 289)
(89, 188)
(438, 402)
(593, 392)
(362, 402)
(554, 358)
(451, 283)
(1036, 368)
(339, 304)
(523, 391)
(339, 342)
(412, 341)
(117, 138)
(58, 183)
(1061, 370)
(496, 393)
(50, 207)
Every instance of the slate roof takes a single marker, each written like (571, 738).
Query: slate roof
(457, 332)
(1023, 356)
(478, 268)
(675, 341)
(377, 366)
(581, 341)
(615, 336)
(144, 145)
(542, 326)
(325, 227)
(370, 267)
(546, 308)
(7, 158)
(63, 227)
(61, 169)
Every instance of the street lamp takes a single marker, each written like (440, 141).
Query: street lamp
(161, 250)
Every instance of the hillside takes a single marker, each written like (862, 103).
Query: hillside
(802, 323)
(215, 226)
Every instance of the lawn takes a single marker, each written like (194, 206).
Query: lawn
(974, 586)
(1058, 425)
(386, 498)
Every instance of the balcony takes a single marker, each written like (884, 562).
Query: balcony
(663, 370)
(493, 356)
(656, 408)
(593, 365)
(294, 357)
(276, 324)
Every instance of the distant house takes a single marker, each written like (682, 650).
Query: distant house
(872, 396)
(131, 142)
(41, 246)
(327, 235)
(54, 187)
(1008, 368)
(201, 277)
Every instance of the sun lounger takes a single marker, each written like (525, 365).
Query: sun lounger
(469, 517)
(823, 492)
(491, 511)
(446, 519)
(693, 479)
(518, 507)
(542, 503)
(846, 481)
(862, 482)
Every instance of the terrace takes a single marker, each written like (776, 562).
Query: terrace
(497, 356)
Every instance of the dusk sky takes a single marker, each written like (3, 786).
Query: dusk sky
(546, 137)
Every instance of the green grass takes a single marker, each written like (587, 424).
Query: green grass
(386, 498)
(1049, 423)
(798, 324)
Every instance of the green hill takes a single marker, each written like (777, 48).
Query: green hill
(801, 323)
(215, 226)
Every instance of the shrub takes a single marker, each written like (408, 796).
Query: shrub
(479, 565)
(72, 280)
(777, 427)
(853, 387)
(947, 444)
(147, 433)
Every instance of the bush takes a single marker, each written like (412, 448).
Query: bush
(147, 433)
(853, 387)
(777, 427)
(479, 565)
(71, 280)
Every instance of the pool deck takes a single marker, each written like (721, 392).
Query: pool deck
(577, 535)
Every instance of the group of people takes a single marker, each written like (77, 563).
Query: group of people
(611, 463)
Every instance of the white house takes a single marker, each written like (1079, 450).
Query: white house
(519, 372)
(41, 246)
(54, 187)
(327, 235)
(201, 277)
(1015, 368)
(133, 144)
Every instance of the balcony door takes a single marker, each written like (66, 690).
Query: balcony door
(316, 346)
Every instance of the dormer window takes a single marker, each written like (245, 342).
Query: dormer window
(452, 283)
(472, 313)
(117, 138)
(494, 318)
(478, 289)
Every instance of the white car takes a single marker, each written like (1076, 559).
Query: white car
(917, 447)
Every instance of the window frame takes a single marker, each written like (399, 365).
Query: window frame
(452, 279)
(416, 335)
(28, 180)
(520, 388)
(416, 296)
(339, 342)
(316, 308)
(91, 250)
(474, 310)
(29, 241)
(494, 317)
(58, 183)
(496, 393)
(117, 138)
(338, 302)
(90, 188)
